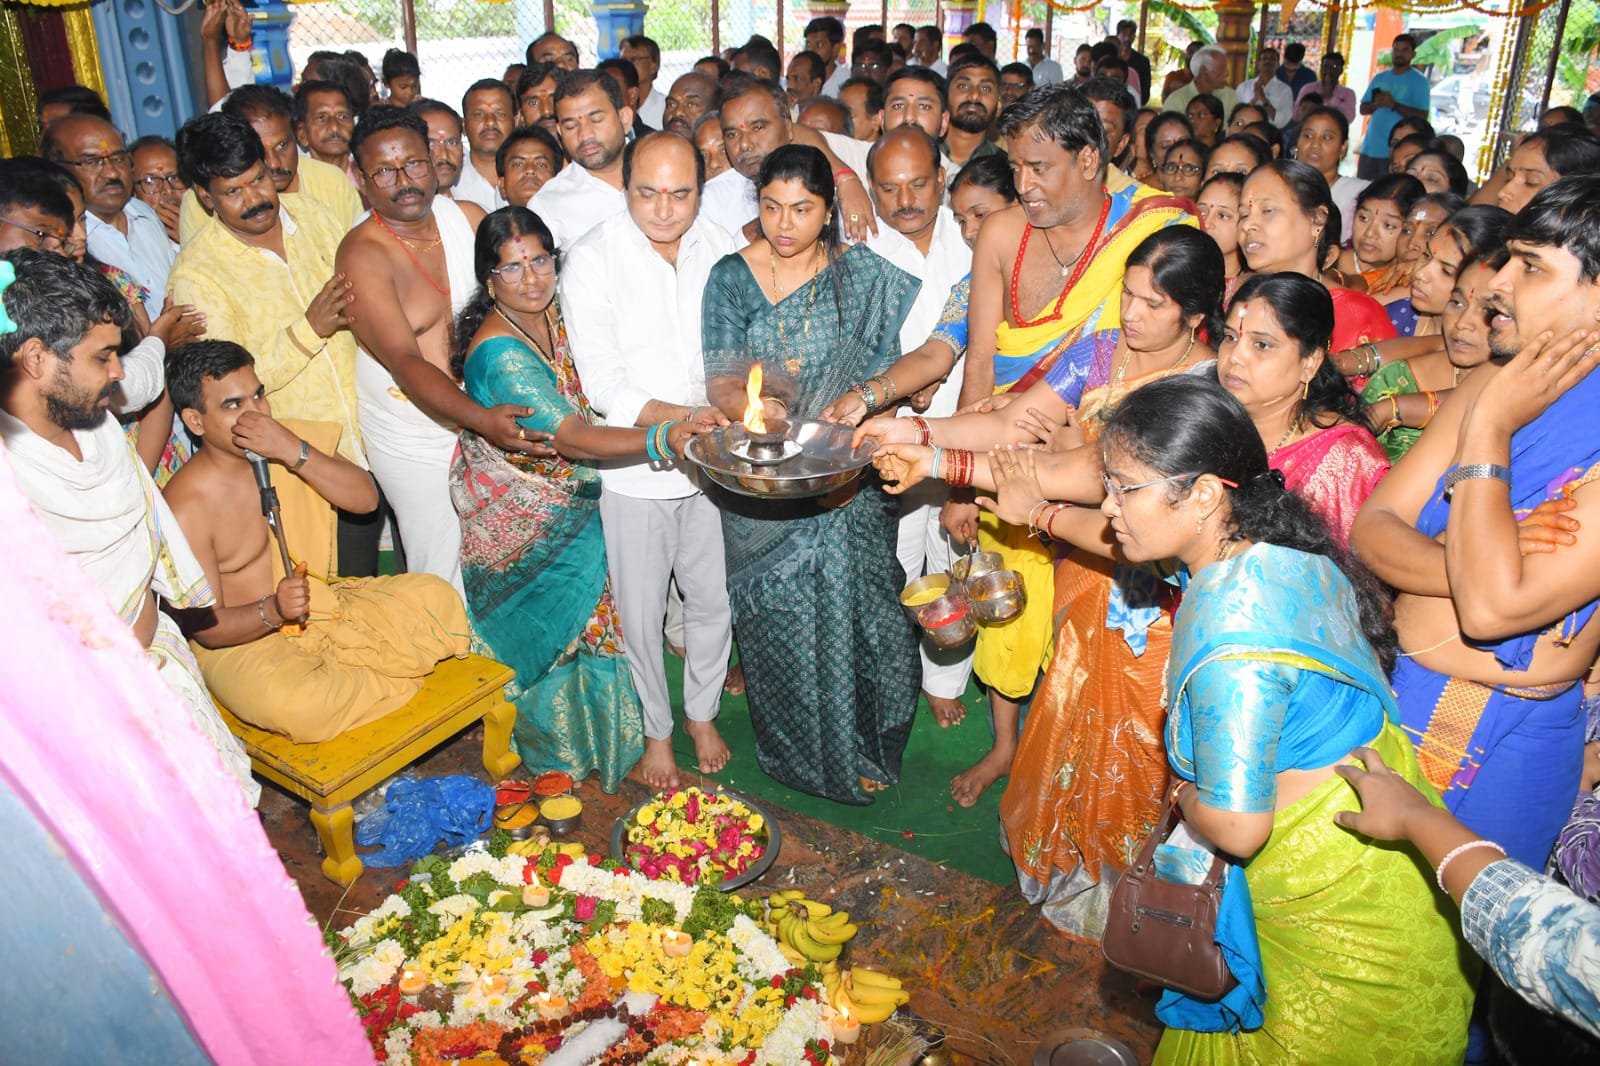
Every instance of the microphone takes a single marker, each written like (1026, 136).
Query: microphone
(269, 496)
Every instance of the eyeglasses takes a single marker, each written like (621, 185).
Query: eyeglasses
(1187, 169)
(511, 273)
(153, 183)
(388, 177)
(49, 242)
(1119, 492)
(100, 162)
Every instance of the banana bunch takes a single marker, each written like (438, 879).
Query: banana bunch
(535, 847)
(870, 996)
(807, 932)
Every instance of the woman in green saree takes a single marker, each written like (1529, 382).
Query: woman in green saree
(1275, 676)
(532, 555)
(830, 660)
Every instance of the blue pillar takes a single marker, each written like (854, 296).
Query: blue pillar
(269, 58)
(143, 52)
(616, 21)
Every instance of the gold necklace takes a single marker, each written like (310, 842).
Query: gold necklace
(1294, 426)
(772, 267)
(1121, 371)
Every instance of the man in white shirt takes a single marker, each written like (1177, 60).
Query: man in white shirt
(1267, 90)
(122, 231)
(1209, 66)
(926, 48)
(824, 35)
(594, 126)
(1046, 71)
(645, 55)
(755, 122)
(630, 293)
(922, 238)
(487, 111)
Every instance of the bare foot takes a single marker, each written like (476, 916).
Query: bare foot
(676, 649)
(734, 685)
(947, 712)
(658, 768)
(967, 786)
(709, 747)
(869, 786)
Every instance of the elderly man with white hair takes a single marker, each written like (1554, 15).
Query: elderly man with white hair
(1210, 69)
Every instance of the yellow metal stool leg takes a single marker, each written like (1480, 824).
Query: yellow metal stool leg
(336, 829)
(498, 758)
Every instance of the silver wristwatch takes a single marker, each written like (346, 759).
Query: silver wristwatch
(1473, 471)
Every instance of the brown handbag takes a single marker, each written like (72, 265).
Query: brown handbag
(1165, 932)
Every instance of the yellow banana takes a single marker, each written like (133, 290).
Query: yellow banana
(834, 920)
(873, 978)
(792, 954)
(872, 1013)
(814, 909)
(875, 996)
(810, 948)
(829, 934)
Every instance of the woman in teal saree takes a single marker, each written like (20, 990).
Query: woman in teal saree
(830, 660)
(533, 559)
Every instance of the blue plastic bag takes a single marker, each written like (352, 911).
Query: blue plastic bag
(418, 813)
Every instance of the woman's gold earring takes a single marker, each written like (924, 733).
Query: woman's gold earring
(1305, 391)
(1199, 525)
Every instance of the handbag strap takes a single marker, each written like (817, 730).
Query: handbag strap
(1158, 835)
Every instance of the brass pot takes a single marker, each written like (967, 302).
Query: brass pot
(998, 597)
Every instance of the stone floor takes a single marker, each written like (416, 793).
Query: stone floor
(981, 964)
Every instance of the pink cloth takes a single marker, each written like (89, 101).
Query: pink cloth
(112, 765)
(1334, 471)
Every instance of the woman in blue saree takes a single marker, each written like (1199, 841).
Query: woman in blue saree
(1343, 947)
(532, 555)
(830, 660)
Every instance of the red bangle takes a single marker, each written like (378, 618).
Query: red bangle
(960, 463)
(924, 434)
(251, 43)
(842, 173)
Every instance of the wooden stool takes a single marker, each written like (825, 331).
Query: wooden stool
(458, 693)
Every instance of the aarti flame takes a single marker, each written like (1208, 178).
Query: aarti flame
(753, 420)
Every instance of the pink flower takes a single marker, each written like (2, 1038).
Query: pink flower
(583, 908)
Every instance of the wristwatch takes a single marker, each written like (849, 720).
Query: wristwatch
(305, 454)
(1473, 471)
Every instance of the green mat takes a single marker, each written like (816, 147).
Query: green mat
(917, 815)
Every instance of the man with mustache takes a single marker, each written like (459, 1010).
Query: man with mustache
(528, 159)
(409, 265)
(122, 231)
(631, 292)
(1497, 638)
(973, 100)
(59, 371)
(270, 112)
(804, 82)
(593, 122)
(692, 96)
(755, 122)
(907, 181)
(536, 97)
(444, 141)
(263, 274)
(323, 119)
(486, 115)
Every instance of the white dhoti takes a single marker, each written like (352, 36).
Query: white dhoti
(924, 548)
(409, 452)
(107, 513)
(649, 544)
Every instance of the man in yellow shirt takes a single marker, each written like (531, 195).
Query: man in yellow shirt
(263, 273)
(270, 113)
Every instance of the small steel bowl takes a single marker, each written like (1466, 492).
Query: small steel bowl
(971, 567)
(948, 621)
(560, 827)
(997, 598)
(919, 589)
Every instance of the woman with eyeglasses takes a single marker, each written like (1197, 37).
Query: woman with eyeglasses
(1182, 167)
(1097, 710)
(533, 559)
(1278, 671)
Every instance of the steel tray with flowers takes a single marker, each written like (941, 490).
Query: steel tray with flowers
(695, 837)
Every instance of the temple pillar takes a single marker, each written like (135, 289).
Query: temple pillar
(1235, 18)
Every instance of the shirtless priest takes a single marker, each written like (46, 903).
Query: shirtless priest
(304, 654)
